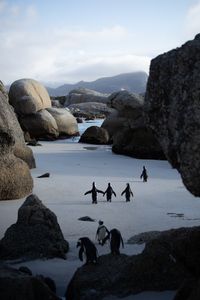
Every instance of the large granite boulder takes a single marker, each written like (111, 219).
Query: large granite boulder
(28, 96)
(8, 120)
(127, 128)
(15, 284)
(66, 122)
(82, 95)
(36, 234)
(41, 125)
(90, 109)
(139, 143)
(15, 178)
(172, 105)
(128, 112)
(95, 135)
(166, 262)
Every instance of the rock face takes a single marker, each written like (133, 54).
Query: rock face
(36, 116)
(15, 178)
(82, 95)
(8, 120)
(40, 125)
(127, 129)
(28, 96)
(165, 263)
(36, 234)
(139, 143)
(173, 109)
(90, 109)
(15, 284)
(15, 156)
(66, 122)
(95, 135)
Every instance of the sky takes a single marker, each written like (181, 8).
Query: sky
(64, 41)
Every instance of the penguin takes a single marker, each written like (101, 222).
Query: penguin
(101, 233)
(109, 191)
(88, 248)
(115, 241)
(128, 193)
(94, 192)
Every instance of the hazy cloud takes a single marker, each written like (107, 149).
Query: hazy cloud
(53, 53)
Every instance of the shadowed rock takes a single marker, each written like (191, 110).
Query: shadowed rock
(8, 121)
(95, 135)
(36, 233)
(166, 262)
(173, 109)
(44, 175)
(15, 178)
(15, 284)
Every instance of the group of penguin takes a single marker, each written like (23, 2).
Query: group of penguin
(109, 191)
(88, 248)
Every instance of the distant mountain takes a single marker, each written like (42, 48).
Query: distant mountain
(132, 82)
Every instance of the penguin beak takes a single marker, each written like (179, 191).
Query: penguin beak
(78, 244)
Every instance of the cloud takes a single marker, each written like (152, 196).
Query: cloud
(193, 20)
(54, 54)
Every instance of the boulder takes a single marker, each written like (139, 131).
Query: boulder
(15, 284)
(40, 125)
(66, 122)
(95, 135)
(166, 262)
(90, 109)
(36, 234)
(172, 109)
(8, 120)
(127, 128)
(128, 112)
(82, 95)
(28, 96)
(139, 143)
(15, 178)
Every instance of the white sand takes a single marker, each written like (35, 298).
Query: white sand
(72, 169)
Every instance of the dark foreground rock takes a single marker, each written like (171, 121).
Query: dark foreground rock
(15, 284)
(127, 128)
(173, 109)
(36, 234)
(95, 135)
(166, 262)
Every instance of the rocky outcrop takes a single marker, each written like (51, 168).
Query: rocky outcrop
(173, 109)
(40, 125)
(66, 122)
(36, 116)
(90, 109)
(95, 135)
(8, 121)
(15, 284)
(15, 178)
(36, 234)
(139, 143)
(28, 96)
(166, 262)
(127, 128)
(82, 95)
(15, 156)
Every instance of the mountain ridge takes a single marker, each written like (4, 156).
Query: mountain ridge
(132, 82)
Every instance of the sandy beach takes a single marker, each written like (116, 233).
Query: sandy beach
(161, 203)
